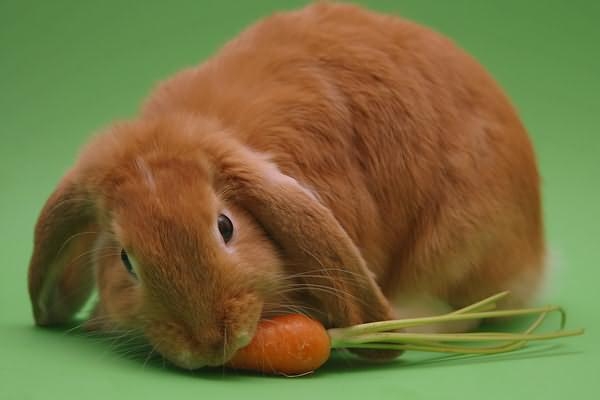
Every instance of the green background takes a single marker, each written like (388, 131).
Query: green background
(68, 68)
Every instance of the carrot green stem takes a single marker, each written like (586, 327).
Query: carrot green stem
(402, 337)
(444, 349)
(383, 326)
(384, 334)
(487, 349)
(483, 305)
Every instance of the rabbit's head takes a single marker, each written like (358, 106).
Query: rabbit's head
(194, 238)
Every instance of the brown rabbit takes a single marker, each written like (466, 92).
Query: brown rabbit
(331, 161)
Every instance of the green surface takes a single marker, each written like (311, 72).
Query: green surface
(69, 68)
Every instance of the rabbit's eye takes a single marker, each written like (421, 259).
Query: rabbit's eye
(225, 227)
(127, 263)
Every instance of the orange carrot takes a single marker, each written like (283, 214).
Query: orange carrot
(287, 345)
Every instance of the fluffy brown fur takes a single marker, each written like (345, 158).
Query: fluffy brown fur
(361, 158)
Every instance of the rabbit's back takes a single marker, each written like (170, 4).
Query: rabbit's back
(404, 136)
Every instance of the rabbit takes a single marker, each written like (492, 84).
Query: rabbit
(330, 160)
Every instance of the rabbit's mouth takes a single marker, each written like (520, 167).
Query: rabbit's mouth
(187, 360)
(187, 352)
(208, 339)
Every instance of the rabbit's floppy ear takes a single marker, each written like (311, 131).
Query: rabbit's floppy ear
(60, 272)
(323, 254)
